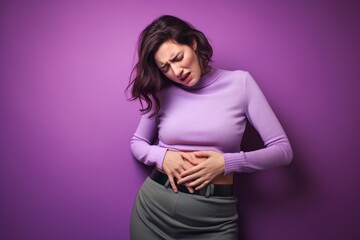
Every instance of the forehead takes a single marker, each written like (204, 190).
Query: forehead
(167, 51)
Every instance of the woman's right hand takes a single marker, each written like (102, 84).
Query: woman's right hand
(175, 163)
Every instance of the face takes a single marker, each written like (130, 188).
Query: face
(179, 62)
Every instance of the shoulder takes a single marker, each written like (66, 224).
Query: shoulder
(237, 75)
(234, 78)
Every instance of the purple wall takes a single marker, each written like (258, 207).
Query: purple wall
(66, 171)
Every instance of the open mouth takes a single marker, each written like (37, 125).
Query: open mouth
(185, 77)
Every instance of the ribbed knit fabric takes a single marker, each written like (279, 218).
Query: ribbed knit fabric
(212, 115)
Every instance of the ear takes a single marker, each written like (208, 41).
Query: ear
(194, 44)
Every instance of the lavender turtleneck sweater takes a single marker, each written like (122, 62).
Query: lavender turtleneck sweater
(212, 115)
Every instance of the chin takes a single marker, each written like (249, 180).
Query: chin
(195, 81)
(192, 83)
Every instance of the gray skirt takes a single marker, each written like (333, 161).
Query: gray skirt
(160, 213)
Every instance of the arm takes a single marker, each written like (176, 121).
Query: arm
(277, 149)
(142, 146)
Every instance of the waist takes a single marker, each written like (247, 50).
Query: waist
(220, 190)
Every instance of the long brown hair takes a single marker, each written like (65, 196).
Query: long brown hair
(146, 79)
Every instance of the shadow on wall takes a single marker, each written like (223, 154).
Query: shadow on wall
(271, 188)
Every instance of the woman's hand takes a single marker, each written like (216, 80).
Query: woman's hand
(175, 163)
(203, 173)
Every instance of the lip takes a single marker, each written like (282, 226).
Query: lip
(186, 78)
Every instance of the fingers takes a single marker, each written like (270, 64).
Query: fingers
(199, 184)
(186, 166)
(189, 157)
(202, 154)
(175, 173)
(172, 183)
(190, 189)
(189, 175)
(187, 169)
(173, 165)
(190, 171)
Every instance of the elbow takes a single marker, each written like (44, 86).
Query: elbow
(285, 153)
(136, 150)
(288, 154)
(139, 150)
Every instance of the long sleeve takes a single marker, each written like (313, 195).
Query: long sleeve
(142, 146)
(277, 149)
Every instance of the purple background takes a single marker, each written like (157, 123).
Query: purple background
(66, 171)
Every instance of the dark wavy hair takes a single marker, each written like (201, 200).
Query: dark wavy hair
(146, 79)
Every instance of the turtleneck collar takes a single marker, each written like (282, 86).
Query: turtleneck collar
(204, 81)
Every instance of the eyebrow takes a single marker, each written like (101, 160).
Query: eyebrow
(171, 59)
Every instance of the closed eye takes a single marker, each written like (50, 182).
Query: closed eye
(179, 58)
(164, 68)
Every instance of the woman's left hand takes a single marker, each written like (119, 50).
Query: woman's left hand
(203, 173)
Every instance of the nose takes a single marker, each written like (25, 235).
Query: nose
(177, 70)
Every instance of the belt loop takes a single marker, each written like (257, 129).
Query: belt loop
(209, 190)
(167, 183)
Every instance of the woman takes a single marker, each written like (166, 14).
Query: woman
(193, 121)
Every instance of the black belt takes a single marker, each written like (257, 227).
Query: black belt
(220, 190)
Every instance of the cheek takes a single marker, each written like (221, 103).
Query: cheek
(194, 62)
(170, 75)
(190, 61)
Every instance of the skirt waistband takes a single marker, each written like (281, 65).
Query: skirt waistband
(220, 190)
